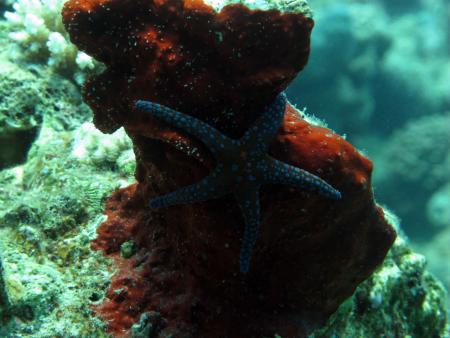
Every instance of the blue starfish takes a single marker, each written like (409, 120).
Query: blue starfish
(242, 167)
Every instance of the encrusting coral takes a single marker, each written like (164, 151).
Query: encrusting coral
(311, 253)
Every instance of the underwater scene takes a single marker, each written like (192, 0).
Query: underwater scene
(225, 168)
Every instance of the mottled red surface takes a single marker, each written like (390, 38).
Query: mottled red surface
(185, 55)
(222, 68)
(310, 256)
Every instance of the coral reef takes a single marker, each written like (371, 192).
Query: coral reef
(51, 208)
(163, 271)
(437, 252)
(93, 147)
(339, 81)
(402, 299)
(28, 96)
(19, 119)
(363, 79)
(428, 63)
(4, 298)
(438, 211)
(36, 28)
(206, 63)
(384, 301)
(416, 162)
(378, 68)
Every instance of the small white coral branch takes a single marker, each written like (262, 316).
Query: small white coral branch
(36, 27)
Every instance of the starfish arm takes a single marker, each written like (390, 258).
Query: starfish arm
(267, 125)
(210, 136)
(208, 188)
(277, 172)
(248, 200)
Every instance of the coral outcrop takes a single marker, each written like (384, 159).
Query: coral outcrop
(28, 95)
(50, 210)
(400, 297)
(401, 288)
(361, 84)
(416, 162)
(36, 28)
(19, 118)
(344, 74)
(184, 55)
(359, 80)
(438, 211)
(222, 67)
